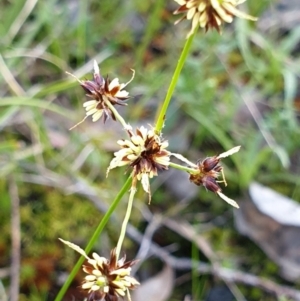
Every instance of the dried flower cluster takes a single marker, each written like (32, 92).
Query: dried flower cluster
(208, 172)
(145, 152)
(107, 279)
(209, 13)
(103, 93)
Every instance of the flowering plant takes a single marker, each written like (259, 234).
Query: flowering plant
(145, 152)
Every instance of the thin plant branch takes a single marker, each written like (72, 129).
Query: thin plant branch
(163, 110)
(145, 244)
(228, 275)
(188, 231)
(126, 219)
(183, 168)
(117, 115)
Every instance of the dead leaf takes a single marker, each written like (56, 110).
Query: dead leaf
(281, 208)
(272, 221)
(158, 288)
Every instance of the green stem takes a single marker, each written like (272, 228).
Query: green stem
(184, 168)
(162, 113)
(94, 238)
(117, 115)
(125, 222)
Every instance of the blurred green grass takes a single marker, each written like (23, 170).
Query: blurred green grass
(56, 168)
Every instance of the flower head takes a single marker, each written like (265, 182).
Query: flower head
(209, 13)
(208, 172)
(145, 152)
(106, 279)
(102, 92)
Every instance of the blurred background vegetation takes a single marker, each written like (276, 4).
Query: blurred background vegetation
(240, 88)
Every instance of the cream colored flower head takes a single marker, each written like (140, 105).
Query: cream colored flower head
(210, 13)
(145, 152)
(106, 279)
(102, 91)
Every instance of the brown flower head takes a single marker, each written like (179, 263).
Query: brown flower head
(208, 172)
(145, 152)
(101, 91)
(107, 279)
(209, 13)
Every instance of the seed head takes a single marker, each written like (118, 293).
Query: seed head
(209, 13)
(101, 91)
(106, 279)
(145, 152)
(208, 172)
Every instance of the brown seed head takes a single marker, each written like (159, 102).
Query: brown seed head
(209, 171)
(207, 174)
(101, 91)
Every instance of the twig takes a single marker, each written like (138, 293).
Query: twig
(188, 232)
(252, 280)
(227, 275)
(16, 240)
(146, 241)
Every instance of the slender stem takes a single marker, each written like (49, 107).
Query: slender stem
(94, 238)
(184, 168)
(125, 221)
(128, 295)
(117, 115)
(162, 112)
